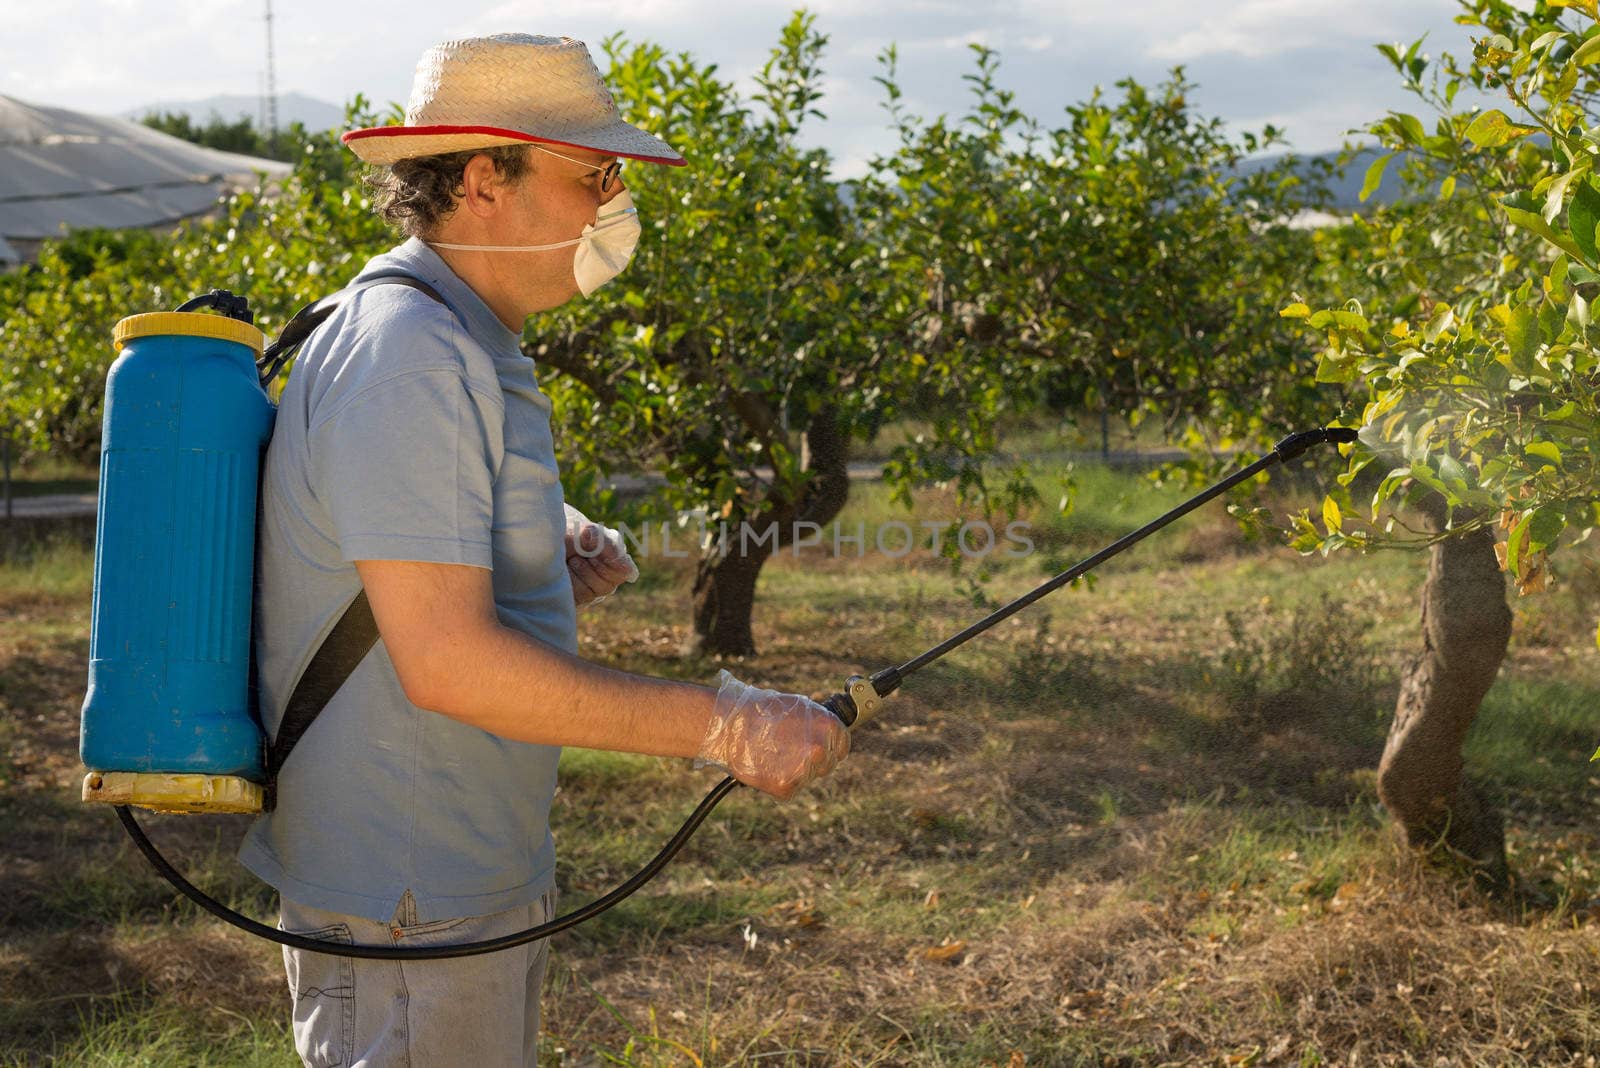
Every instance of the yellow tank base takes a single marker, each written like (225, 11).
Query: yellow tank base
(164, 792)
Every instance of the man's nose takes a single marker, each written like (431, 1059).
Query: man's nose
(611, 194)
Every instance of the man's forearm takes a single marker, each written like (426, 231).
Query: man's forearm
(521, 688)
(454, 656)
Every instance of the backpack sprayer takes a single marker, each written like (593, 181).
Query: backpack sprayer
(168, 721)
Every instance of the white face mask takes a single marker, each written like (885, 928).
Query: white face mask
(604, 247)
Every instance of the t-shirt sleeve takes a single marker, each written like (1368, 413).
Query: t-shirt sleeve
(406, 469)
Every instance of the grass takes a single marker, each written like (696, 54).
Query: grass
(43, 475)
(122, 1031)
(54, 567)
(1079, 432)
(1134, 825)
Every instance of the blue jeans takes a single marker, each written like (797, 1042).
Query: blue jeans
(481, 1011)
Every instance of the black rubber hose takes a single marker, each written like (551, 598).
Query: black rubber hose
(840, 704)
(465, 949)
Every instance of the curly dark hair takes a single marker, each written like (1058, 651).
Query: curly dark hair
(416, 195)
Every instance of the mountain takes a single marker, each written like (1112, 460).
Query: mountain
(1346, 185)
(292, 107)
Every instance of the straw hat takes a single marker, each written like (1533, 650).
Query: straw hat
(512, 88)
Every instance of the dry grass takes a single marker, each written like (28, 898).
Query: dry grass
(1129, 835)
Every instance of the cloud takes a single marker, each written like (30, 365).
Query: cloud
(1308, 62)
(1260, 28)
(949, 42)
(107, 55)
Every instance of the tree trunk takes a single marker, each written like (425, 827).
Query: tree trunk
(725, 582)
(724, 595)
(1466, 626)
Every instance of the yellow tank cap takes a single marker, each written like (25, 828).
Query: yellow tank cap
(162, 792)
(187, 324)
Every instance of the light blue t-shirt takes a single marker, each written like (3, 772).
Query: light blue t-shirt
(408, 431)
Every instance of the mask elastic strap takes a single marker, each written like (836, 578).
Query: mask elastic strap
(601, 223)
(506, 248)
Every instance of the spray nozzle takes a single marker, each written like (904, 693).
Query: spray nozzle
(1295, 444)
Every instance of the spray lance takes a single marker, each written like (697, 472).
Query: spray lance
(167, 351)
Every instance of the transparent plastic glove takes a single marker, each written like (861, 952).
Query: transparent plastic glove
(775, 742)
(597, 558)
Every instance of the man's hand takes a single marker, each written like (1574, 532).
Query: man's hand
(597, 559)
(775, 742)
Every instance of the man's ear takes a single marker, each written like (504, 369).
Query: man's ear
(483, 187)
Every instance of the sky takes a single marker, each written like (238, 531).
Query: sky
(1307, 66)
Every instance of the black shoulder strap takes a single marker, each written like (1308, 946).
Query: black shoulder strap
(356, 632)
(307, 319)
(335, 660)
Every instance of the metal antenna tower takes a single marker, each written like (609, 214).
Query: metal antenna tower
(272, 90)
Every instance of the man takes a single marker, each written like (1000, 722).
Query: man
(413, 459)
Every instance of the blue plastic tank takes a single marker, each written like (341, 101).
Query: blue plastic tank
(185, 424)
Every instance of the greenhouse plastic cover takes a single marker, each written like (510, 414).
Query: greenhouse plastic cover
(61, 168)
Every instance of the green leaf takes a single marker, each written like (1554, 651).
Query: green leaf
(1545, 39)
(1545, 450)
(1567, 82)
(1454, 475)
(1514, 543)
(1425, 475)
(1334, 366)
(1375, 175)
(1332, 517)
(1522, 335)
(1294, 311)
(1532, 220)
(1555, 194)
(1556, 280)
(1551, 316)
(1447, 188)
(1578, 313)
(1442, 320)
(1582, 216)
(1588, 53)
(1546, 526)
(1492, 129)
(1306, 544)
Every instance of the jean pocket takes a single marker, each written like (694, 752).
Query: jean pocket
(406, 932)
(323, 989)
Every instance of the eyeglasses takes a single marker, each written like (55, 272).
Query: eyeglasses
(608, 174)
